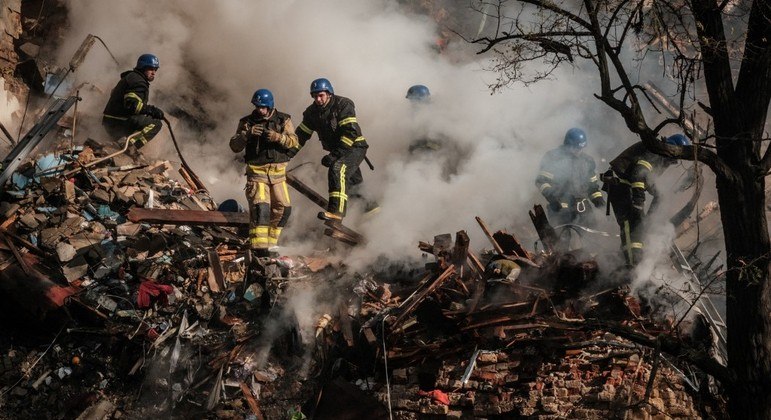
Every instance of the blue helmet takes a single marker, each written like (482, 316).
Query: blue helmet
(146, 61)
(575, 137)
(263, 97)
(418, 93)
(678, 140)
(320, 85)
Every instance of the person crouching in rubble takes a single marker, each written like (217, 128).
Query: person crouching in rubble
(270, 142)
(569, 183)
(334, 119)
(127, 110)
(630, 176)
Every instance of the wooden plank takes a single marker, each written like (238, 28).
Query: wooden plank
(545, 231)
(336, 225)
(345, 323)
(496, 246)
(417, 298)
(307, 191)
(253, 405)
(187, 217)
(340, 236)
(216, 266)
(510, 245)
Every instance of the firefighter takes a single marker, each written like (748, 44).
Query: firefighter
(333, 117)
(569, 183)
(631, 175)
(270, 141)
(127, 110)
(419, 94)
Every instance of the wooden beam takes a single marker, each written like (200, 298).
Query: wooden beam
(187, 217)
(417, 298)
(307, 191)
(496, 246)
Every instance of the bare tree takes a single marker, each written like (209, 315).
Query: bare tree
(718, 46)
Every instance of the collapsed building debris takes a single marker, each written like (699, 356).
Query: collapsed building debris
(144, 286)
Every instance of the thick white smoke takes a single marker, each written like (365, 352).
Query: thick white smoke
(218, 53)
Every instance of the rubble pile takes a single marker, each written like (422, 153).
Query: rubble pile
(143, 302)
(515, 337)
(145, 318)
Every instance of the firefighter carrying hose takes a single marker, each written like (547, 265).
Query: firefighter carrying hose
(127, 110)
(269, 139)
(569, 183)
(333, 117)
(631, 175)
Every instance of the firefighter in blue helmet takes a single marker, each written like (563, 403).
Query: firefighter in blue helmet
(418, 94)
(128, 111)
(269, 141)
(632, 174)
(333, 118)
(568, 181)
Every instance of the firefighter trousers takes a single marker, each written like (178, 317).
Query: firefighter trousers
(121, 127)
(269, 205)
(343, 176)
(630, 221)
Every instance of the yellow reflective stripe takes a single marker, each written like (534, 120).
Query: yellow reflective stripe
(339, 195)
(544, 186)
(546, 174)
(594, 179)
(640, 185)
(286, 194)
(305, 129)
(264, 170)
(343, 196)
(132, 95)
(358, 139)
(344, 121)
(261, 191)
(346, 141)
(636, 245)
(564, 205)
(598, 194)
(148, 128)
(645, 163)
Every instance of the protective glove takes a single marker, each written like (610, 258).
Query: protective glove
(327, 161)
(154, 112)
(273, 136)
(257, 130)
(598, 202)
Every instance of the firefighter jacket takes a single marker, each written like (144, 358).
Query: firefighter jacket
(567, 178)
(263, 149)
(637, 167)
(129, 96)
(335, 124)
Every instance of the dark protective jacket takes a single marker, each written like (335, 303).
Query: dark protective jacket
(259, 149)
(129, 97)
(566, 178)
(636, 166)
(336, 125)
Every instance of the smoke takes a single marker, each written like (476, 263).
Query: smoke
(215, 54)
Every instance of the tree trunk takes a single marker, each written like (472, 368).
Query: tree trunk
(748, 302)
